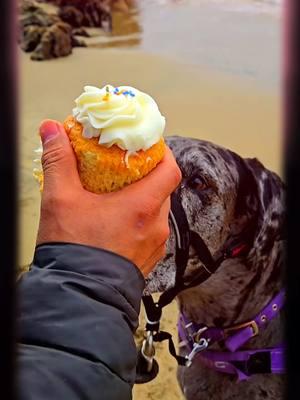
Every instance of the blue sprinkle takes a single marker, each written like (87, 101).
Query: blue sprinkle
(129, 92)
(116, 90)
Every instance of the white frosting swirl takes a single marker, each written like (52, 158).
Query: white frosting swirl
(123, 116)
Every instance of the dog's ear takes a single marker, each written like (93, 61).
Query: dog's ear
(261, 198)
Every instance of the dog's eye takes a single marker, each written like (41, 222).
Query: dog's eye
(198, 183)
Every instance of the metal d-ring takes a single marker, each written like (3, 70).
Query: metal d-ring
(197, 336)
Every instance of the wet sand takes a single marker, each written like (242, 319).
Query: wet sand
(231, 107)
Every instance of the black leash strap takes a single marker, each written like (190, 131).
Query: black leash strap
(182, 233)
(162, 336)
(153, 312)
(184, 239)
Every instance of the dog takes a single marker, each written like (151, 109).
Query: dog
(223, 195)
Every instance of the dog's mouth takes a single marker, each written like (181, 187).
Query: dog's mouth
(163, 275)
(197, 266)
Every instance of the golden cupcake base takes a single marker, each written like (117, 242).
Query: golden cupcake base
(104, 169)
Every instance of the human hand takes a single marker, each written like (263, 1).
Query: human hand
(132, 222)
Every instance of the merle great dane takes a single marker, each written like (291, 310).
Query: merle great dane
(224, 196)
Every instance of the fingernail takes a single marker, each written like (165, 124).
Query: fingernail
(48, 131)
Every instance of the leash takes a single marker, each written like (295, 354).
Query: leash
(147, 367)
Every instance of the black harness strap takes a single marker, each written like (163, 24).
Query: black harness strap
(184, 239)
(160, 337)
(182, 233)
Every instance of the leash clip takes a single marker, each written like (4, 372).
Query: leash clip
(147, 367)
(197, 348)
(148, 350)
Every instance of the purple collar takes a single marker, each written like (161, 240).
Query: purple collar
(244, 363)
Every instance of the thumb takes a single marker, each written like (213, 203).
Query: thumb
(58, 159)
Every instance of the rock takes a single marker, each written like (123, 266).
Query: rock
(50, 31)
(94, 11)
(80, 32)
(71, 15)
(56, 41)
(77, 42)
(120, 5)
(32, 14)
(28, 5)
(31, 36)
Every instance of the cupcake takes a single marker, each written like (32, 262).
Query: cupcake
(117, 136)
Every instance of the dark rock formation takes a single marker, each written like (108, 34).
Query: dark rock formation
(56, 41)
(92, 13)
(53, 34)
(32, 14)
(44, 34)
(31, 37)
(95, 13)
(71, 15)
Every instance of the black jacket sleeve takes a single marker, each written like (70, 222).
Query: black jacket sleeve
(78, 310)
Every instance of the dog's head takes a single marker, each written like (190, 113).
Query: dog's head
(223, 196)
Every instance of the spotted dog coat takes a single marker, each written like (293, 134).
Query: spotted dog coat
(223, 195)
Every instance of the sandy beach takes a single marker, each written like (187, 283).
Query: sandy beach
(237, 110)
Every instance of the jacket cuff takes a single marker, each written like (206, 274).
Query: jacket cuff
(96, 263)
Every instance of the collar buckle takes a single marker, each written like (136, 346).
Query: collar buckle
(251, 324)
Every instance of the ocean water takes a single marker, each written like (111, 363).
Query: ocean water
(271, 6)
(255, 6)
(235, 37)
(241, 38)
